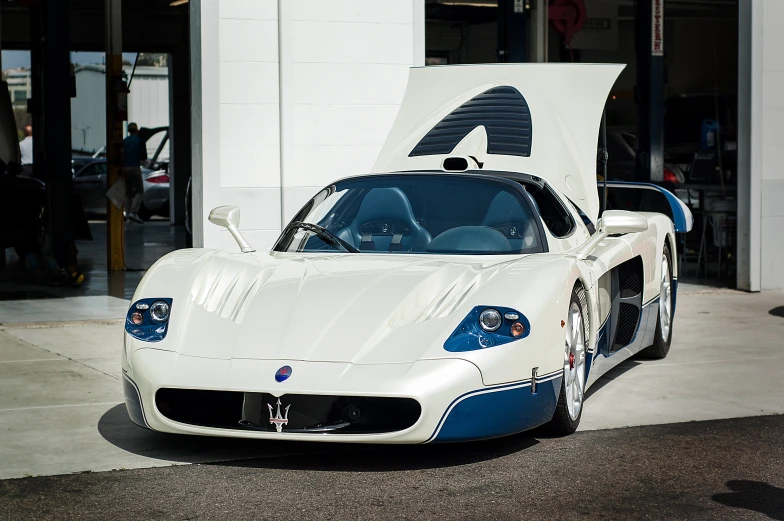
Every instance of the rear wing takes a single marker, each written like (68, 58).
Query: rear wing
(647, 197)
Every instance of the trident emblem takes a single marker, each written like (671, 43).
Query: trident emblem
(278, 420)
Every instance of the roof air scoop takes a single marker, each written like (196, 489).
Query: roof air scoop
(460, 164)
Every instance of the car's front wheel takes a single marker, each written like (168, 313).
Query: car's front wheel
(570, 400)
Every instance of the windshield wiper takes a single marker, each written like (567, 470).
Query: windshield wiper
(325, 234)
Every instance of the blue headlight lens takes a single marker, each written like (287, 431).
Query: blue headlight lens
(487, 326)
(148, 319)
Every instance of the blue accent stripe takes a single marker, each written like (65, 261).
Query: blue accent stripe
(498, 411)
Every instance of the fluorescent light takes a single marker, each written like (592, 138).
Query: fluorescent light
(175, 3)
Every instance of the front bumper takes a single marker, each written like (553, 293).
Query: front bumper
(434, 384)
(455, 405)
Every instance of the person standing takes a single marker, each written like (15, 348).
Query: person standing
(26, 148)
(134, 152)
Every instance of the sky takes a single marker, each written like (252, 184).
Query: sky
(14, 59)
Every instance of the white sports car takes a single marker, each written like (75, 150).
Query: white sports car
(472, 293)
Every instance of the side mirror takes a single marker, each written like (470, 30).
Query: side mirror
(620, 221)
(229, 217)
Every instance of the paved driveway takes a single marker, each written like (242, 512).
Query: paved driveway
(61, 400)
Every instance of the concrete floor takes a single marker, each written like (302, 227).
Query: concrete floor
(61, 400)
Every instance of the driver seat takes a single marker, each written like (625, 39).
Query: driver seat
(385, 222)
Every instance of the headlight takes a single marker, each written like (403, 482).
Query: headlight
(486, 327)
(490, 319)
(148, 319)
(159, 311)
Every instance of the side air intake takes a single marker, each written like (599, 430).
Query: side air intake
(503, 112)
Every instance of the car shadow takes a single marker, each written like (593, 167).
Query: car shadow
(116, 428)
(756, 496)
(611, 375)
(777, 311)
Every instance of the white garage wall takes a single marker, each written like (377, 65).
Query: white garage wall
(761, 146)
(294, 94)
(772, 183)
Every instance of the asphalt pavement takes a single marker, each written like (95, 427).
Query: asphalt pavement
(721, 469)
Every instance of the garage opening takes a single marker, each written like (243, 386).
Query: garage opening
(63, 236)
(672, 117)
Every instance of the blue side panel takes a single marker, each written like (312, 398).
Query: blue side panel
(500, 412)
(133, 402)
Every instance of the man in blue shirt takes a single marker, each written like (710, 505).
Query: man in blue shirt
(134, 152)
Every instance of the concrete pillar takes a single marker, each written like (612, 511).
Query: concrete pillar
(749, 144)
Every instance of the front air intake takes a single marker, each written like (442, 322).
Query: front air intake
(318, 414)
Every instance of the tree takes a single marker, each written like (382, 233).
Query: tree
(148, 59)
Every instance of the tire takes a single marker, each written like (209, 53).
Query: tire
(664, 318)
(569, 409)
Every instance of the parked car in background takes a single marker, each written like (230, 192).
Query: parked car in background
(90, 186)
(79, 162)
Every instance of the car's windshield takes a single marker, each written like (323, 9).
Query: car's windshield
(417, 213)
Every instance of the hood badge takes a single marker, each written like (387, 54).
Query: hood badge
(279, 420)
(283, 373)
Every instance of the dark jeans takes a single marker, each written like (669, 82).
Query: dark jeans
(134, 188)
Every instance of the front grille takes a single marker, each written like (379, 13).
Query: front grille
(298, 412)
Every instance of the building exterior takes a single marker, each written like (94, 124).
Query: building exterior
(19, 87)
(282, 105)
(148, 105)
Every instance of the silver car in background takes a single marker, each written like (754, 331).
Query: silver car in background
(90, 185)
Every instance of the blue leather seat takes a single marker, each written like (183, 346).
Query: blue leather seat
(507, 216)
(385, 222)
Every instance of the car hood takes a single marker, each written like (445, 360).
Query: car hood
(557, 107)
(369, 308)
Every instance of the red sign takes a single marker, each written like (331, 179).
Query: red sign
(657, 28)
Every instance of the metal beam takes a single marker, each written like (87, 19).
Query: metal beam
(179, 131)
(649, 30)
(116, 113)
(52, 109)
(512, 31)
